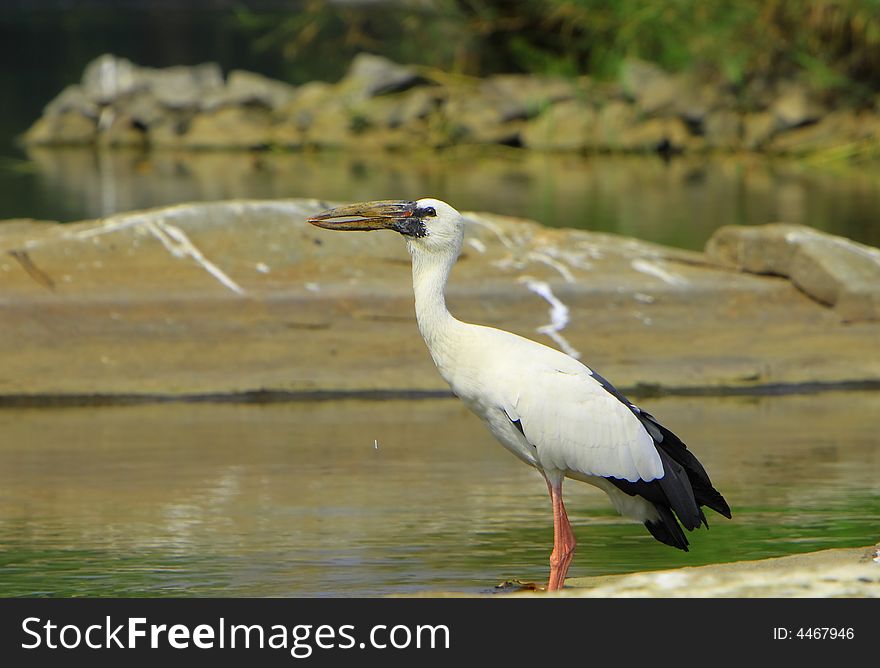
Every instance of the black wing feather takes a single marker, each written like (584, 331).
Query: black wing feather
(684, 488)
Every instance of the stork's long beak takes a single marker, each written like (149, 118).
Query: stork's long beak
(380, 215)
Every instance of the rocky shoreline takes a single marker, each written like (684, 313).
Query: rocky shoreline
(243, 300)
(836, 573)
(379, 104)
(847, 573)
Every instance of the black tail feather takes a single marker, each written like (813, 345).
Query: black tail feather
(704, 493)
(667, 530)
(682, 491)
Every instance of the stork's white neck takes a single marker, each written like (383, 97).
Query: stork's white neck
(430, 274)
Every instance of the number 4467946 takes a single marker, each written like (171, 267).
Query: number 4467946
(815, 633)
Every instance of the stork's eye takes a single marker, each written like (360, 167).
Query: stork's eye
(429, 211)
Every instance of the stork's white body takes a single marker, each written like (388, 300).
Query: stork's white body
(547, 408)
(569, 424)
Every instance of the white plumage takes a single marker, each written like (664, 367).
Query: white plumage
(544, 406)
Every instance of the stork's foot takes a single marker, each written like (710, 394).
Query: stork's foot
(560, 560)
(519, 585)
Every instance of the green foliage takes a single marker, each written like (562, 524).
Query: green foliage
(833, 44)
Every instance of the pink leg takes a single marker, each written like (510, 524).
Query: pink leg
(563, 538)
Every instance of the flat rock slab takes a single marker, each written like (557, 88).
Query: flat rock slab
(846, 573)
(238, 297)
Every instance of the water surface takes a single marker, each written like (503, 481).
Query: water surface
(678, 203)
(296, 499)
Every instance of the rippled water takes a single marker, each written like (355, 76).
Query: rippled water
(296, 499)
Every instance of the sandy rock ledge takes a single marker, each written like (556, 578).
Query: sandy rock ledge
(242, 298)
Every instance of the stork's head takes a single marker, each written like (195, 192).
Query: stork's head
(428, 225)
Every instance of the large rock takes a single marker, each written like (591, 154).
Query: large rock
(69, 127)
(830, 269)
(793, 107)
(237, 127)
(475, 115)
(722, 129)
(108, 78)
(370, 75)
(244, 296)
(655, 134)
(833, 131)
(614, 121)
(758, 129)
(567, 126)
(183, 87)
(73, 98)
(522, 96)
(297, 116)
(652, 88)
(399, 109)
(245, 88)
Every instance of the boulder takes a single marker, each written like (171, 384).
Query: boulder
(830, 269)
(168, 132)
(143, 108)
(399, 109)
(613, 122)
(72, 98)
(522, 96)
(370, 75)
(230, 127)
(182, 87)
(698, 98)
(723, 129)
(651, 88)
(758, 129)
(764, 249)
(834, 130)
(245, 88)
(474, 116)
(655, 134)
(108, 78)
(66, 128)
(567, 126)
(118, 128)
(793, 107)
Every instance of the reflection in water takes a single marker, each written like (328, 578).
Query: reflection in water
(680, 203)
(294, 499)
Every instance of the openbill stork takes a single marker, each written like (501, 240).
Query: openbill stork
(544, 406)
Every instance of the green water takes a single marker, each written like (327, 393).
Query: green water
(680, 203)
(296, 499)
